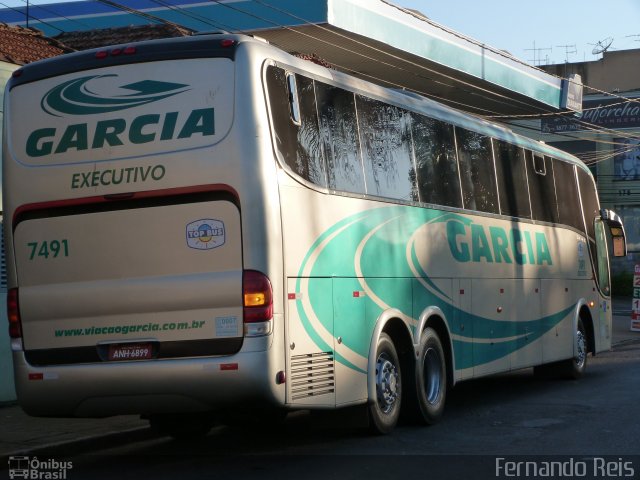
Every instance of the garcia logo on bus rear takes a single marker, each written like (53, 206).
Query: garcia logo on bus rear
(81, 97)
(75, 98)
(205, 234)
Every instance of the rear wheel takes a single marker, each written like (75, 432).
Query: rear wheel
(431, 378)
(384, 411)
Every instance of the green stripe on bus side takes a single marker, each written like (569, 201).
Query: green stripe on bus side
(337, 257)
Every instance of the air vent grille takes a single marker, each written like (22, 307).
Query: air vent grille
(312, 375)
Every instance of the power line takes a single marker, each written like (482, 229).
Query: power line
(27, 16)
(481, 92)
(42, 7)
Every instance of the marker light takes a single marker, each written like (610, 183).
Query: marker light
(227, 42)
(13, 312)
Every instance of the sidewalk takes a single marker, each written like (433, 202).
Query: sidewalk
(20, 433)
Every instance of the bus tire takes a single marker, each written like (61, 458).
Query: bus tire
(575, 367)
(431, 378)
(384, 409)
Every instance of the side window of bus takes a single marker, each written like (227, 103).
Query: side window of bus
(511, 176)
(602, 258)
(339, 138)
(542, 191)
(385, 136)
(567, 194)
(436, 165)
(590, 207)
(297, 139)
(477, 174)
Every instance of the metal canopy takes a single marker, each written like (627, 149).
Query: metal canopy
(372, 39)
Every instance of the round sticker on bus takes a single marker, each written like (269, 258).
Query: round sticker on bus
(205, 234)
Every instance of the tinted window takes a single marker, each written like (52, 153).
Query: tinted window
(511, 176)
(567, 193)
(544, 206)
(475, 160)
(298, 144)
(339, 138)
(385, 136)
(436, 164)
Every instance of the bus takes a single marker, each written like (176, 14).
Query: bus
(206, 225)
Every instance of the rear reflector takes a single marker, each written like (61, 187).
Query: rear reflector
(257, 297)
(13, 312)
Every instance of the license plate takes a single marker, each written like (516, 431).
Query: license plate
(130, 351)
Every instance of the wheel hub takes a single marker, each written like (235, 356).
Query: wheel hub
(581, 343)
(386, 383)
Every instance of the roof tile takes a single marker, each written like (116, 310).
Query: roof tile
(84, 40)
(21, 45)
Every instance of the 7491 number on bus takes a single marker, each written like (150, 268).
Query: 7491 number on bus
(49, 249)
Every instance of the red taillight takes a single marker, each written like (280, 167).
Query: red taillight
(129, 50)
(257, 297)
(102, 54)
(115, 52)
(227, 42)
(13, 311)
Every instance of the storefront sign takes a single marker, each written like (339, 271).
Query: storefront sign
(610, 113)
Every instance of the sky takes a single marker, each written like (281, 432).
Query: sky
(514, 25)
(518, 26)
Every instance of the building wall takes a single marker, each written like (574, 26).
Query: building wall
(7, 388)
(615, 71)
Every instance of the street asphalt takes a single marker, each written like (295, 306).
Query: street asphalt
(21, 434)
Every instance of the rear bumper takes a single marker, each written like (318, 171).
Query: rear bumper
(149, 387)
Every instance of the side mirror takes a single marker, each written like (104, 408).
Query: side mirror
(616, 228)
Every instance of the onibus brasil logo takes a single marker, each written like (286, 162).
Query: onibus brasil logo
(82, 97)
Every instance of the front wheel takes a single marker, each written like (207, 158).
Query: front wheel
(572, 368)
(384, 410)
(575, 367)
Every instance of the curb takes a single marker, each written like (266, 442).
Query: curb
(84, 444)
(625, 342)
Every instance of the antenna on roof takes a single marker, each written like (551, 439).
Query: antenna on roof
(568, 50)
(602, 46)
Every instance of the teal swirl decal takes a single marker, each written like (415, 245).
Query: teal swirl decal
(375, 252)
(75, 98)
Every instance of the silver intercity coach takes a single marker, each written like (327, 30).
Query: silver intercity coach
(205, 225)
